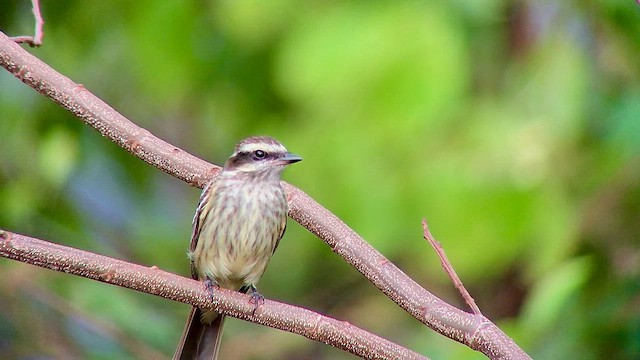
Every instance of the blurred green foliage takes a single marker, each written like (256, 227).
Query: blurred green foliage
(512, 126)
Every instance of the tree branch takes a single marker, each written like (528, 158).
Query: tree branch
(28, 282)
(448, 268)
(152, 280)
(475, 331)
(36, 39)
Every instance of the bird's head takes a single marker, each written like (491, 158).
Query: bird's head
(260, 155)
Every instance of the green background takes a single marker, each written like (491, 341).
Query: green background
(513, 127)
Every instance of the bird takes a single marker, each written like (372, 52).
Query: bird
(240, 219)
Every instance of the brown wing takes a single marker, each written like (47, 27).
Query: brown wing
(284, 228)
(198, 219)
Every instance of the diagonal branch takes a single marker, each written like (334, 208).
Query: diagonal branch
(448, 268)
(30, 284)
(152, 280)
(475, 331)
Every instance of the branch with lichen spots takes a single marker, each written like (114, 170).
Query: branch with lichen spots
(475, 331)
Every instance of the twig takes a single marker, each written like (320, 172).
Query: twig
(35, 40)
(152, 280)
(448, 268)
(475, 331)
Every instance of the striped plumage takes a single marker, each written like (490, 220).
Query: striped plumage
(241, 216)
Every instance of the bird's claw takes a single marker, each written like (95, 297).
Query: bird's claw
(255, 298)
(210, 285)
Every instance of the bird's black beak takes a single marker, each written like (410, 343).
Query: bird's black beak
(289, 158)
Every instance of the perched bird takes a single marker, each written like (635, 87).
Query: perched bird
(241, 216)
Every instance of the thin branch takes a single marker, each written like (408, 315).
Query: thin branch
(448, 268)
(475, 331)
(152, 280)
(35, 40)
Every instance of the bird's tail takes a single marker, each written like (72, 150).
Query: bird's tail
(200, 341)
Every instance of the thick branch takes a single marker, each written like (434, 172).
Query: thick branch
(475, 331)
(152, 280)
(97, 114)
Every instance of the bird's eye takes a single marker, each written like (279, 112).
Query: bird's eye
(259, 154)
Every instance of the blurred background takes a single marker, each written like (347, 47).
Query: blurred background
(513, 127)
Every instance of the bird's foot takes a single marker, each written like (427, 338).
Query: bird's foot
(255, 297)
(211, 285)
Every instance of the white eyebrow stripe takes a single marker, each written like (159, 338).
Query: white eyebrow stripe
(270, 148)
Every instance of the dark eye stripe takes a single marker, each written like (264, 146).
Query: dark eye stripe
(251, 155)
(247, 157)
